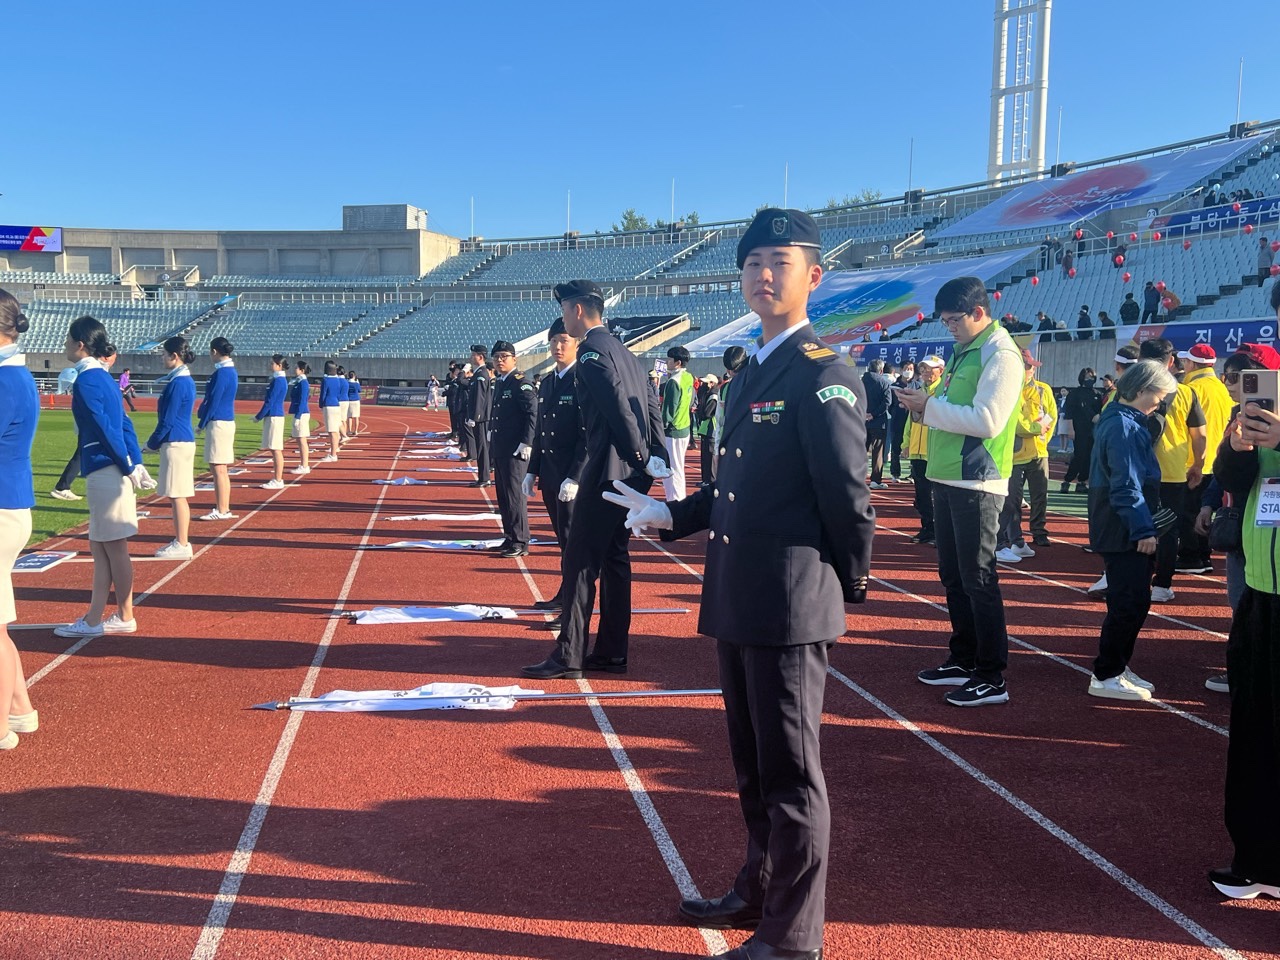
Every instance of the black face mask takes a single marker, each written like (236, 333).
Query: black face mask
(1090, 381)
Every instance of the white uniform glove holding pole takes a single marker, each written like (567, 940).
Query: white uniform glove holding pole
(568, 490)
(141, 479)
(527, 486)
(471, 423)
(523, 451)
(657, 468)
(642, 511)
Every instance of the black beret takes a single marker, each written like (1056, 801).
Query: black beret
(773, 227)
(503, 346)
(557, 328)
(478, 348)
(576, 289)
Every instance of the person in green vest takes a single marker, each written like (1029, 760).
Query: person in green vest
(677, 418)
(971, 431)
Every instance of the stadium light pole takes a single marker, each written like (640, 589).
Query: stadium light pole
(786, 177)
(1239, 89)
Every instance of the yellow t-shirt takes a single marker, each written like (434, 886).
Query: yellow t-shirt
(1030, 436)
(1173, 449)
(1216, 403)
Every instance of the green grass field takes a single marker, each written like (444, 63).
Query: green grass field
(56, 439)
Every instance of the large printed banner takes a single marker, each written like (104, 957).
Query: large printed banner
(1215, 219)
(1225, 336)
(849, 305)
(34, 239)
(1059, 201)
(400, 396)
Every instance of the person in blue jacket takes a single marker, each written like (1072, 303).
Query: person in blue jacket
(299, 398)
(176, 441)
(217, 418)
(1124, 500)
(333, 394)
(19, 412)
(353, 405)
(111, 463)
(271, 415)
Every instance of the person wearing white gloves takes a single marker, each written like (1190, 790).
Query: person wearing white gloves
(560, 449)
(111, 463)
(789, 527)
(623, 435)
(513, 424)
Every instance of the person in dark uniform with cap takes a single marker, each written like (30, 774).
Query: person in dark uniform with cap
(479, 405)
(790, 527)
(457, 403)
(623, 443)
(560, 451)
(514, 421)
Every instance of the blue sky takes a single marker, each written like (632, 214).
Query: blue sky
(272, 115)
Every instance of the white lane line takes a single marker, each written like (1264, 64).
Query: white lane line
(1148, 896)
(215, 924)
(667, 849)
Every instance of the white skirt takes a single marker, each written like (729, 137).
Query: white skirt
(113, 508)
(220, 442)
(353, 409)
(273, 433)
(15, 530)
(333, 418)
(302, 427)
(177, 478)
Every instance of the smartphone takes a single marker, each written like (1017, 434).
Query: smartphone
(1261, 387)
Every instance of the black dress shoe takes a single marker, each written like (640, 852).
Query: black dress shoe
(552, 604)
(515, 550)
(755, 949)
(729, 912)
(551, 669)
(555, 623)
(504, 545)
(608, 664)
(483, 483)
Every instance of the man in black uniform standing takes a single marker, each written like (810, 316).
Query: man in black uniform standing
(789, 544)
(514, 421)
(458, 410)
(561, 449)
(623, 442)
(479, 403)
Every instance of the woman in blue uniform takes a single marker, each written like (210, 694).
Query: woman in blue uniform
(176, 441)
(111, 463)
(217, 418)
(299, 396)
(19, 411)
(353, 404)
(272, 417)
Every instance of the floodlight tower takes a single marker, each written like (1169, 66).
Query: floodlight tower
(1019, 87)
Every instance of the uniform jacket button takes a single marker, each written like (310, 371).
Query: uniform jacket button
(711, 535)
(731, 496)
(723, 451)
(738, 452)
(725, 538)
(715, 493)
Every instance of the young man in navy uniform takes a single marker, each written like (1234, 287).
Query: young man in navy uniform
(561, 448)
(623, 443)
(479, 404)
(514, 421)
(789, 529)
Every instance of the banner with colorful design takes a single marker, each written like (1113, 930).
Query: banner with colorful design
(31, 239)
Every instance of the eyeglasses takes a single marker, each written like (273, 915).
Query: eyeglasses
(956, 319)
(1231, 376)
(504, 356)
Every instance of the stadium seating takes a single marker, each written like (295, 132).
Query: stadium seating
(456, 267)
(446, 328)
(706, 311)
(241, 282)
(65, 279)
(129, 323)
(261, 329)
(367, 324)
(545, 267)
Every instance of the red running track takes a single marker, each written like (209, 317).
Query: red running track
(154, 816)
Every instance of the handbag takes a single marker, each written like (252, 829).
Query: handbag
(1226, 529)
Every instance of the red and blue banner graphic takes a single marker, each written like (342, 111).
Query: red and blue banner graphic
(33, 239)
(1225, 336)
(1192, 223)
(1060, 201)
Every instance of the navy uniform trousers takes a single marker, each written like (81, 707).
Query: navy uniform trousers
(561, 515)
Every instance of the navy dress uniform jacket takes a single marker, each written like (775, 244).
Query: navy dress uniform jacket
(514, 416)
(561, 448)
(789, 519)
(621, 416)
(479, 398)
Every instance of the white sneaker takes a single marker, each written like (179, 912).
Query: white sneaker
(216, 514)
(173, 550)
(300, 471)
(64, 494)
(1117, 688)
(1007, 556)
(113, 624)
(273, 485)
(331, 458)
(25, 722)
(79, 629)
(8, 741)
(1022, 550)
(1137, 681)
(1161, 594)
(878, 486)
(1099, 589)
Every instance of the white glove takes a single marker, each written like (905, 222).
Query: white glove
(140, 479)
(471, 423)
(527, 486)
(568, 490)
(657, 468)
(642, 511)
(523, 451)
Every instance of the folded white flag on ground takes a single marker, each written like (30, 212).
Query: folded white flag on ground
(445, 469)
(429, 696)
(462, 613)
(448, 516)
(438, 545)
(402, 482)
(430, 433)
(430, 456)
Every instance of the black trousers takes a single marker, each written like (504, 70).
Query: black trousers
(1149, 314)
(128, 398)
(480, 450)
(453, 420)
(1034, 475)
(508, 481)
(1078, 468)
(1192, 547)
(561, 515)
(708, 454)
(1128, 603)
(69, 472)
(965, 528)
(597, 550)
(897, 424)
(773, 710)
(466, 438)
(1253, 755)
(1172, 495)
(924, 496)
(876, 437)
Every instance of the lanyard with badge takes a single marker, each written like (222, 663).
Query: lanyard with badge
(1268, 512)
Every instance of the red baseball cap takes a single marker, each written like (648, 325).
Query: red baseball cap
(1200, 353)
(1262, 354)
(1028, 359)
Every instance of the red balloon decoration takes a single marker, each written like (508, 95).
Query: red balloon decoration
(1127, 276)
(877, 327)
(1160, 285)
(1275, 269)
(1186, 244)
(996, 295)
(1248, 228)
(1133, 238)
(1235, 208)
(1072, 273)
(1111, 234)
(1156, 235)
(1079, 234)
(1035, 281)
(1275, 246)
(919, 318)
(1119, 259)
(1167, 301)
